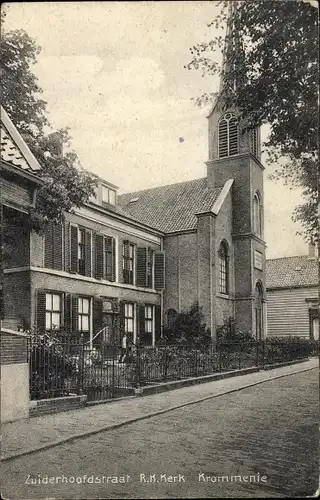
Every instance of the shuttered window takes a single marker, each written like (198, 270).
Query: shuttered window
(105, 257)
(53, 311)
(84, 314)
(128, 262)
(129, 321)
(228, 135)
(150, 268)
(80, 251)
(50, 309)
(159, 270)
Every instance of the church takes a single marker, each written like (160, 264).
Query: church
(131, 262)
(213, 230)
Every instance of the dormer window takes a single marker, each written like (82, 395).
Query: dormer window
(108, 195)
(228, 135)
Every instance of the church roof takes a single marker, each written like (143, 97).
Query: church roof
(170, 208)
(14, 150)
(288, 272)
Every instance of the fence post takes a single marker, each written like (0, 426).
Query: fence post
(138, 375)
(81, 363)
(220, 359)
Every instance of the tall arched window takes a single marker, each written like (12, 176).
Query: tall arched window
(259, 311)
(254, 143)
(228, 135)
(223, 268)
(257, 216)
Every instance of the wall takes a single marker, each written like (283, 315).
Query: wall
(206, 268)
(288, 311)
(17, 301)
(224, 305)
(14, 377)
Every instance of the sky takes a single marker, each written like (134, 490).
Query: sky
(114, 73)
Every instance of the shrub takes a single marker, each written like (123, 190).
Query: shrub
(188, 328)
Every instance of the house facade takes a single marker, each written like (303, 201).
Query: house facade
(293, 296)
(101, 271)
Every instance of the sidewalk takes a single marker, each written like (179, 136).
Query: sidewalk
(24, 437)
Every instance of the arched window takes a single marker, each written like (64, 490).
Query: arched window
(223, 268)
(228, 135)
(254, 145)
(259, 311)
(171, 318)
(257, 216)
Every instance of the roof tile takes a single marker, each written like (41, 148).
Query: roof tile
(170, 208)
(288, 272)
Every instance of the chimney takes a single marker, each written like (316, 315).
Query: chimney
(56, 143)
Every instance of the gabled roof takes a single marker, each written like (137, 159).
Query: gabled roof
(171, 208)
(14, 150)
(288, 272)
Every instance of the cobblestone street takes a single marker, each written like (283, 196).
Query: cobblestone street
(269, 431)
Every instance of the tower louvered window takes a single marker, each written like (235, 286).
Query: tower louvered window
(228, 135)
(254, 142)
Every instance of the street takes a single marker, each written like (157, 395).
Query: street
(258, 442)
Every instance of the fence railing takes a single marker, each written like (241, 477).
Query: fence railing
(107, 371)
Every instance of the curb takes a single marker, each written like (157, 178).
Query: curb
(142, 417)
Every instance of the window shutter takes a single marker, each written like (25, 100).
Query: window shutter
(41, 311)
(113, 243)
(141, 325)
(67, 313)
(67, 246)
(223, 138)
(97, 314)
(233, 136)
(74, 314)
(57, 246)
(157, 316)
(48, 245)
(88, 253)
(142, 266)
(99, 256)
(73, 249)
(159, 269)
(121, 319)
(126, 254)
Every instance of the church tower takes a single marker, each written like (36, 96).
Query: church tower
(234, 154)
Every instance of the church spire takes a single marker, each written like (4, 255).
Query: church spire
(229, 45)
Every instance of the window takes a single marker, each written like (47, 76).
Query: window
(81, 251)
(150, 268)
(84, 314)
(171, 318)
(148, 319)
(53, 311)
(223, 269)
(129, 319)
(254, 142)
(128, 260)
(228, 135)
(257, 221)
(108, 195)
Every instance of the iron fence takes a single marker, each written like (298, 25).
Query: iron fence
(74, 366)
